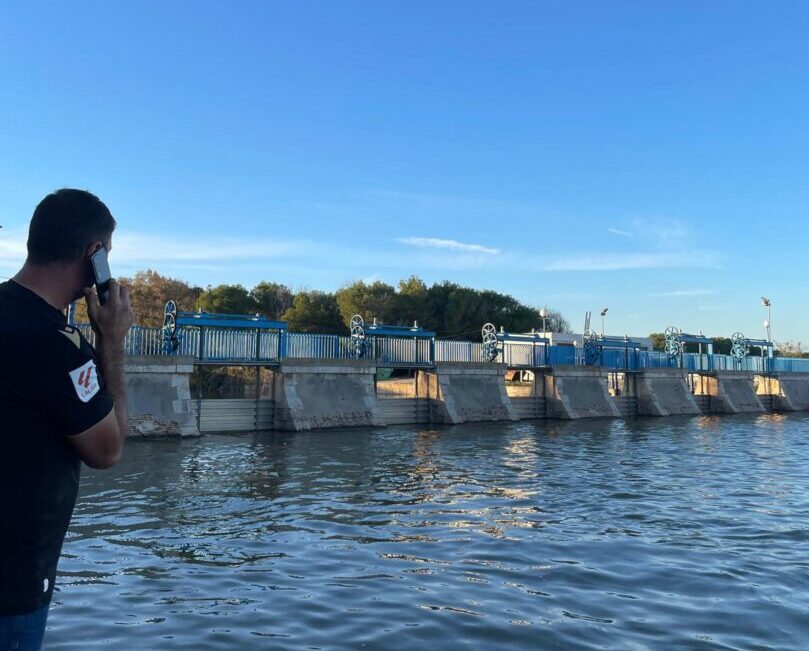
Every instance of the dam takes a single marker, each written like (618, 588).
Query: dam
(393, 375)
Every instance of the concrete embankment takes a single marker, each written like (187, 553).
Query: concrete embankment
(466, 393)
(573, 392)
(314, 394)
(789, 391)
(664, 392)
(731, 392)
(159, 396)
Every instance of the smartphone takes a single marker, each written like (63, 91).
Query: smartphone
(101, 274)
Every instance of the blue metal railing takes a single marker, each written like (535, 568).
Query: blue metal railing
(458, 351)
(790, 365)
(655, 359)
(246, 345)
(565, 356)
(313, 346)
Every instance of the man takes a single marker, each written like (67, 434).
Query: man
(61, 401)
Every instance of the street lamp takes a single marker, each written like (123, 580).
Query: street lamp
(603, 314)
(766, 302)
(543, 313)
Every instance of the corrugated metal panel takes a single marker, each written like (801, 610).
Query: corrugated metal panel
(627, 405)
(527, 408)
(402, 411)
(265, 415)
(704, 404)
(237, 415)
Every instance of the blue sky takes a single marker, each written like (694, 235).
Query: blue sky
(646, 156)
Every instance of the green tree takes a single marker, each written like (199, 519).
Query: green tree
(554, 321)
(413, 305)
(658, 341)
(227, 299)
(272, 299)
(376, 299)
(149, 292)
(413, 286)
(789, 349)
(721, 346)
(314, 311)
(460, 312)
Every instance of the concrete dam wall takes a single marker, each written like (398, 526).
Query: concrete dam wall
(573, 392)
(159, 396)
(790, 391)
(312, 394)
(466, 393)
(732, 392)
(664, 392)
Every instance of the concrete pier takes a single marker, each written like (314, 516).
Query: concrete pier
(573, 392)
(789, 391)
(731, 392)
(304, 394)
(466, 393)
(664, 392)
(315, 394)
(159, 396)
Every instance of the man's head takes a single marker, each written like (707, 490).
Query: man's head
(67, 227)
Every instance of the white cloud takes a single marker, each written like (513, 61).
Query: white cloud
(618, 231)
(454, 245)
(213, 253)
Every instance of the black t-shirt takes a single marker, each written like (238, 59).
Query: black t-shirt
(50, 390)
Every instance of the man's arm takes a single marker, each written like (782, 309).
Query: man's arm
(100, 446)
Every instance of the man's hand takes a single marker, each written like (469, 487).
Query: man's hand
(112, 320)
(101, 446)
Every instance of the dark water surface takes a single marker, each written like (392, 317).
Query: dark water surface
(685, 533)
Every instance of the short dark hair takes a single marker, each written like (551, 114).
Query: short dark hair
(65, 223)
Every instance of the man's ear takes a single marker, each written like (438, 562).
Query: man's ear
(93, 247)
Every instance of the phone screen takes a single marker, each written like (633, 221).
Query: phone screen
(101, 273)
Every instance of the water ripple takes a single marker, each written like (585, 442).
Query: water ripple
(686, 533)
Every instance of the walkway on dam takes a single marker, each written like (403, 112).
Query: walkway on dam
(257, 348)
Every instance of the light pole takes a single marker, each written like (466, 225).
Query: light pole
(543, 313)
(766, 302)
(603, 314)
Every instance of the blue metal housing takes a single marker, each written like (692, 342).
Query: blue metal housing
(211, 346)
(696, 339)
(767, 347)
(210, 320)
(412, 332)
(523, 338)
(619, 342)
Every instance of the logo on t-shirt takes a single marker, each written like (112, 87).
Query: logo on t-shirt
(73, 335)
(85, 381)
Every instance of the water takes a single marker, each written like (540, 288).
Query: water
(685, 533)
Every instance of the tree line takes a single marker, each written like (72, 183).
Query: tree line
(451, 310)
